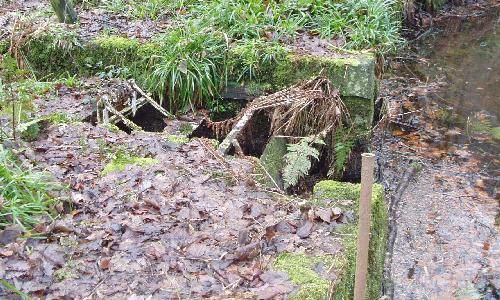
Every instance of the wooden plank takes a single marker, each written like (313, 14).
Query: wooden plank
(368, 160)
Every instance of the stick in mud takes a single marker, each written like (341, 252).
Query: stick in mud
(368, 160)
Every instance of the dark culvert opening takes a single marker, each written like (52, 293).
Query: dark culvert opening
(149, 119)
(146, 116)
(256, 135)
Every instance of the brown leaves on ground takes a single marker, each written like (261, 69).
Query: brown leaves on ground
(176, 229)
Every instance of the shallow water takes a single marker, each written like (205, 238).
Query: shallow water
(443, 218)
(464, 54)
(467, 53)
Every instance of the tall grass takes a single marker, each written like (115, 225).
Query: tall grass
(25, 193)
(149, 9)
(189, 70)
(254, 59)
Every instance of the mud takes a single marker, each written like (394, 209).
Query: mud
(443, 179)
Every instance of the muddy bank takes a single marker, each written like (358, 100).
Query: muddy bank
(439, 159)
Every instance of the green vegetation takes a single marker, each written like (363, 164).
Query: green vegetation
(26, 194)
(151, 9)
(189, 68)
(300, 269)
(298, 159)
(214, 43)
(177, 139)
(68, 271)
(10, 287)
(363, 24)
(120, 160)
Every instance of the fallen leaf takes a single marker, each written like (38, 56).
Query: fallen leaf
(10, 234)
(325, 214)
(105, 263)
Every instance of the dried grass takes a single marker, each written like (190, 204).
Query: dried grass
(308, 108)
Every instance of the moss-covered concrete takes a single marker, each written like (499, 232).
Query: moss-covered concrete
(329, 189)
(301, 267)
(301, 271)
(272, 160)
(353, 76)
(54, 53)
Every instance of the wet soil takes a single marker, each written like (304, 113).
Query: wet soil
(442, 178)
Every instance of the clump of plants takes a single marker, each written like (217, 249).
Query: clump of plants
(27, 195)
(189, 68)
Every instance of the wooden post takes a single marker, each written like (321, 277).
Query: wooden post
(64, 11)
(365, 200)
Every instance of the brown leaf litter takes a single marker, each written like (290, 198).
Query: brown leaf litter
(177, 229)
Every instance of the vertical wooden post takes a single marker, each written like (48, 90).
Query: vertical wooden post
(365, 200)
(64, 11)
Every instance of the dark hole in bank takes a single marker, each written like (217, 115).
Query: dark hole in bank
(147, 117)
(255, 136)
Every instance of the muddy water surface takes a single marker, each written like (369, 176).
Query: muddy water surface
(440, 163)
(464, 54)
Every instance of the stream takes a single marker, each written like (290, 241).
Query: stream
(439, 161)
(465, 54)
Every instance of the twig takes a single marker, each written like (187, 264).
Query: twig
(125, 121)
(151, 100)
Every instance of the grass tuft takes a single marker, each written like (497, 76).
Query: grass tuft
(25, 194)
(189, 69)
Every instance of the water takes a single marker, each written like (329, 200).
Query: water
(464, 53)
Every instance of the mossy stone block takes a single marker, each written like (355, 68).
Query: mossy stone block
(353, 76)
(330, 189)
(301, 267)
(272, 159)
(301, 270)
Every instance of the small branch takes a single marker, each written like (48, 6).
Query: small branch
(151, 100)
(125, 121)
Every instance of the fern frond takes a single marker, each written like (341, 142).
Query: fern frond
(298, 160)
(342, 153)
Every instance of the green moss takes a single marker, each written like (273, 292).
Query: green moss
(122, 160)
(59, 118)
(301, 271)
(54, 50)
(329, 189)
(31, 132)
(177, 139)
(57, 52)
(361, 111)
(112, 51)
(272, 160)
(186, 129)
(352, 76)
(68, 271)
